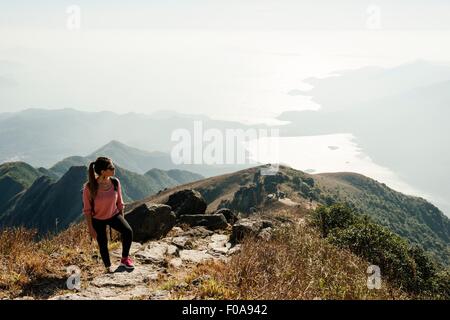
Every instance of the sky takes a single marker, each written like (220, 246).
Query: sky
(227, 59)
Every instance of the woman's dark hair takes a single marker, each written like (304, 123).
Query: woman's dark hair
(96, 167)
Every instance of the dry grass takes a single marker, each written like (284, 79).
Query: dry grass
(295, 264)
(38, 268)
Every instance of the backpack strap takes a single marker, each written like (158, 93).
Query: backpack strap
(115, 183)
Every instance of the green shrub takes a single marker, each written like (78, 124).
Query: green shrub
(335, 216)
(407, 266)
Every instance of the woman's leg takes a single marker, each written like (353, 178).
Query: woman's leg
(120, 224)
(102, 240)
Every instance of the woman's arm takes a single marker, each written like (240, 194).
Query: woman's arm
(87, 210)
(90, 226)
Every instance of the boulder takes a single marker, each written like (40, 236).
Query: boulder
(198, 232)
(150, 221)
(153, 253)
(210, 221)
(244, 228)
(187, 201)
(176, 262)
(195, 256)
(219, 243)
(228, 214)
(182, 242)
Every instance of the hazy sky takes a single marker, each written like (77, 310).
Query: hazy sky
(228, 59)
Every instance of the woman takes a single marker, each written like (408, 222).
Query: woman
(102, 206)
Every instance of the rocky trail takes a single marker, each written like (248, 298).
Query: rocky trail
(167, 260)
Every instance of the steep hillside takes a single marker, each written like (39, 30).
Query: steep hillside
(410, 217)
(413, 218)
(47, 205)
(14, 178)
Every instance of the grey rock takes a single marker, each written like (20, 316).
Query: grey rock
(195, 256)
(210, 221)
(229, 215)
(219, 244)
(176, 262)
(160, 295)
(153, 253)
(172, 250)
(198, 232)
(187, 201)
(244, 228)
(234, 250)
(150, 221)
(135, 247)
(182, 242)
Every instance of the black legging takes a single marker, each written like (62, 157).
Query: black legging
(118, 223)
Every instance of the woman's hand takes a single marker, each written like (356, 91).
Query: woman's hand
(93, 233)
(91, 227)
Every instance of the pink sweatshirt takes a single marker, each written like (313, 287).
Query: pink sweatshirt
(107, 203)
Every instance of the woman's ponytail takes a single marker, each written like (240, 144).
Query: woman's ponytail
(93, 184)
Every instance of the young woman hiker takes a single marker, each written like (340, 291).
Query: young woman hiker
(102, 206)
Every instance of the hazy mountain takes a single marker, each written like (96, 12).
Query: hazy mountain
(404, 128)
(61, 167)
(141, 161)
(133, 159)
(138, 186)
(351, 87)
(43, 137)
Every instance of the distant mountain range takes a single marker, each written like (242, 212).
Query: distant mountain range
(43, 137)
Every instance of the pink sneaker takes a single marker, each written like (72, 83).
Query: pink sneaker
(127, 263)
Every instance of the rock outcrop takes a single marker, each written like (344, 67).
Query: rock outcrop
(187, 201)
(210, 221)
(229, 215)
(251, 227)
(150, 221)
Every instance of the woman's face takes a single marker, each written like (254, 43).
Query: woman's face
(110, 170)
